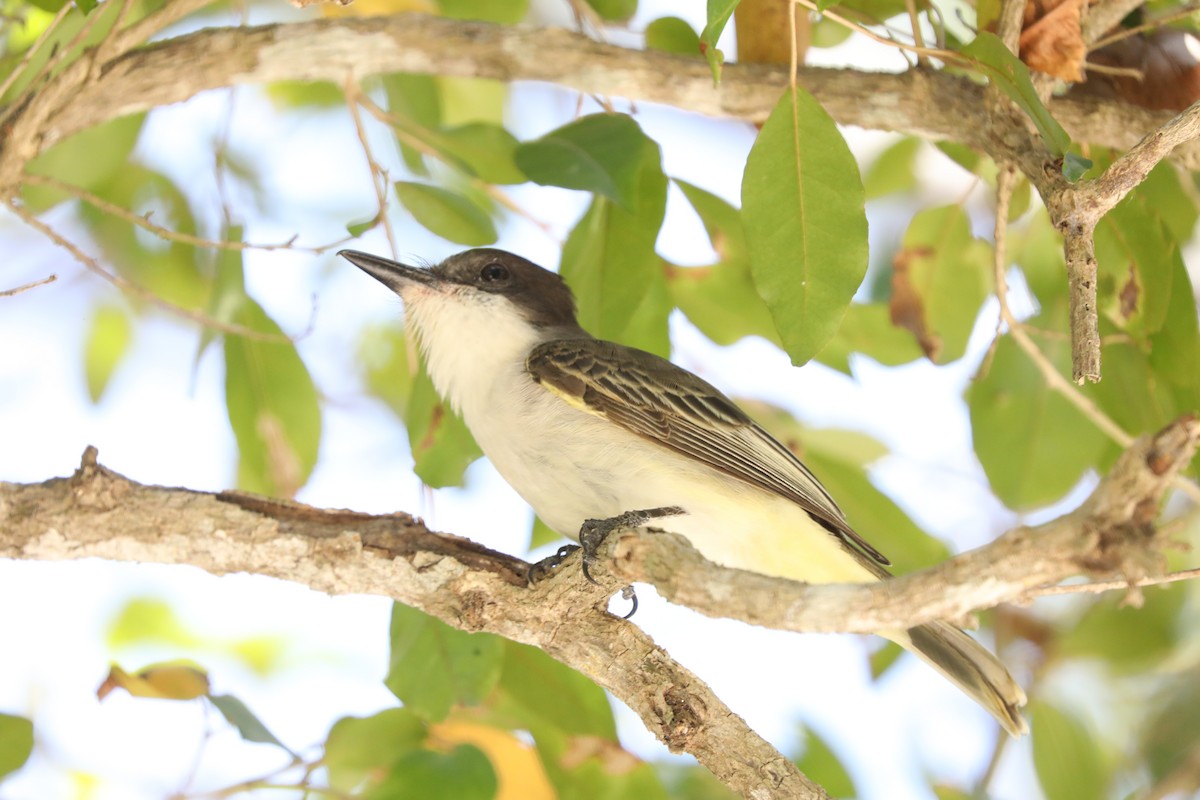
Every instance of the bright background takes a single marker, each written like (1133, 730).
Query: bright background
(162, 421)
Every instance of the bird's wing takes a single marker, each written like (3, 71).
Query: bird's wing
(666, 404)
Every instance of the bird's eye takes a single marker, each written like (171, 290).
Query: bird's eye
(494, 272)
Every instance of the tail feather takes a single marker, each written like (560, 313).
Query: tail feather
(970, 667)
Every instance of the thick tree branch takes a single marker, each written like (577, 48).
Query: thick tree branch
(99, 514)
(932, 105)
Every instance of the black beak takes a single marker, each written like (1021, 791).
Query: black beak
(391, 274)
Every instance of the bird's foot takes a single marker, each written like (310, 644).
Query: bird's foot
(543, 569)
(593, 532)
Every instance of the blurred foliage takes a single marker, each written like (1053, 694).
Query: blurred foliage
(485, 717)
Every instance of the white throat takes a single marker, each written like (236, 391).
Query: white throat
(470, 340)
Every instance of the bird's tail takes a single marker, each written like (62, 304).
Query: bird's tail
(970, 667)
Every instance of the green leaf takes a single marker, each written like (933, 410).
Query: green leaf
(692, 782)
(719, 12)
(16, 743)
(802, 208)
(505, 12)
(821, 764)
(359, 749)
(614, 10)
(672, 35)
(1163, 192)
(488, 150)
(88, 159)
(450, 215)
(434, 667)
(1057, 445)
(1135, 261)
(1075, 166)
(962, 155)
(86, 6)
(467, 100)
(600, 153)
(884, 658)
(1066, 755)
(248, 726)
(610, 262)
(868, 330)
(1009, 75)
(289, 94)
(148, 620)
(540, 533)
(824, 32)
(1131, 394)
(357, 229)
(1038, 250)
(464, 773)
(169, 270)
(894, 171)
(940, 282)
(543, 692)
(1129, 640)
(1170, 733)
(588, 767)
(1175, 347)
(720, 300)
(270, 398)
(417, 100)
(108, 340)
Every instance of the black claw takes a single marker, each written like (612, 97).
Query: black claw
(545, 568)
(629, 594)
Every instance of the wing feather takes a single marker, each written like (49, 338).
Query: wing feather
(666, 404)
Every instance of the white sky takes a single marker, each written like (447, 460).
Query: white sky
(163, 422)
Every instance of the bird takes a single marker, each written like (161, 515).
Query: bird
(586, 429)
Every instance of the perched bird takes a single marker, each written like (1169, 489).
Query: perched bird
(586, 429)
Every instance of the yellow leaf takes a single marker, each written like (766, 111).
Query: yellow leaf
(518, 769)
(172, 681)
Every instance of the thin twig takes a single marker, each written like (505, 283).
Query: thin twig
(1105, 15)
(107, 48)
(944, 55)
(1054, 379)
(1158, 22)
(141, 31)
(1098, 587)
(10, 292)
(1132, 168)
(129, 286)
(35, 48)
(166, 233)
(379, 176)
(1120, 72)
(1008, 27)
(399, 127)
(62, 52)
(915, 22)
(1051, 375)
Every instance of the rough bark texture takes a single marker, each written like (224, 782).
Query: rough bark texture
(98, 513)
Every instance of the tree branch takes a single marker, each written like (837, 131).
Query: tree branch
(99, 514)
(932, 105)
(1111, 533)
